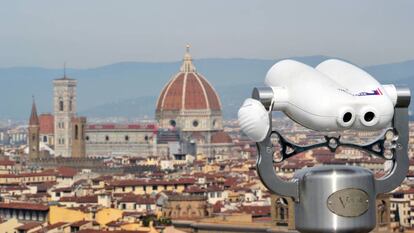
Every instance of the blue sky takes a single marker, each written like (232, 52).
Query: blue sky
(98, 32)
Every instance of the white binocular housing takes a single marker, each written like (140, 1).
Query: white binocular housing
(334, 96)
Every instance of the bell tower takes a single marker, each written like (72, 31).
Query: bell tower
(64, 105)
(34, 132)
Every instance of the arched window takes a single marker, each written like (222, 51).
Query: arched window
(282, 213)
(76, 132)
(70, 103)
(60, 104)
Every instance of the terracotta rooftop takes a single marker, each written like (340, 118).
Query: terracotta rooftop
(82, 199)
(28, 226)
(180, 197)
(66, 172)
(56, 225)
(194, 189)
(137, 199)
(31, 174)
(139, 182)
(79, 223)
(24, 206)
(256, 210)
(103, 231)
(47, 122)
(146, 127)
(6, 162)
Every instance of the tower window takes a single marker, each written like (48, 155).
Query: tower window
(87, 138)
(126, 138)
(76, 132)
(70, 104)
(60, 104)
(45, 138)
(106, 138)
(173, 123)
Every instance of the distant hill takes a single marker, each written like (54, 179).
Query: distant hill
(130, 89)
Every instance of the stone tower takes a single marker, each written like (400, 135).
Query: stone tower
(64, 104)
(34, 132)
(78, 136)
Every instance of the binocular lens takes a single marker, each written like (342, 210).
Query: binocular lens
(369, 116)
(347, 117)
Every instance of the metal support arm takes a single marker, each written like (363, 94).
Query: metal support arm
(267, 173)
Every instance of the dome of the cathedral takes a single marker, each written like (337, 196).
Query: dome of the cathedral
(188, 90)
(188, 101)
(220, 137)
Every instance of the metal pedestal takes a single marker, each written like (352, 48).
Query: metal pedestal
(335, 199)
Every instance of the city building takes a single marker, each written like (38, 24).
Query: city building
(121, 139)
(187, 207)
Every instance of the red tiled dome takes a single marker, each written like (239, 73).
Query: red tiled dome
(221, 137)
(188, 90)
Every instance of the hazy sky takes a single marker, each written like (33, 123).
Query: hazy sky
(98, 32)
